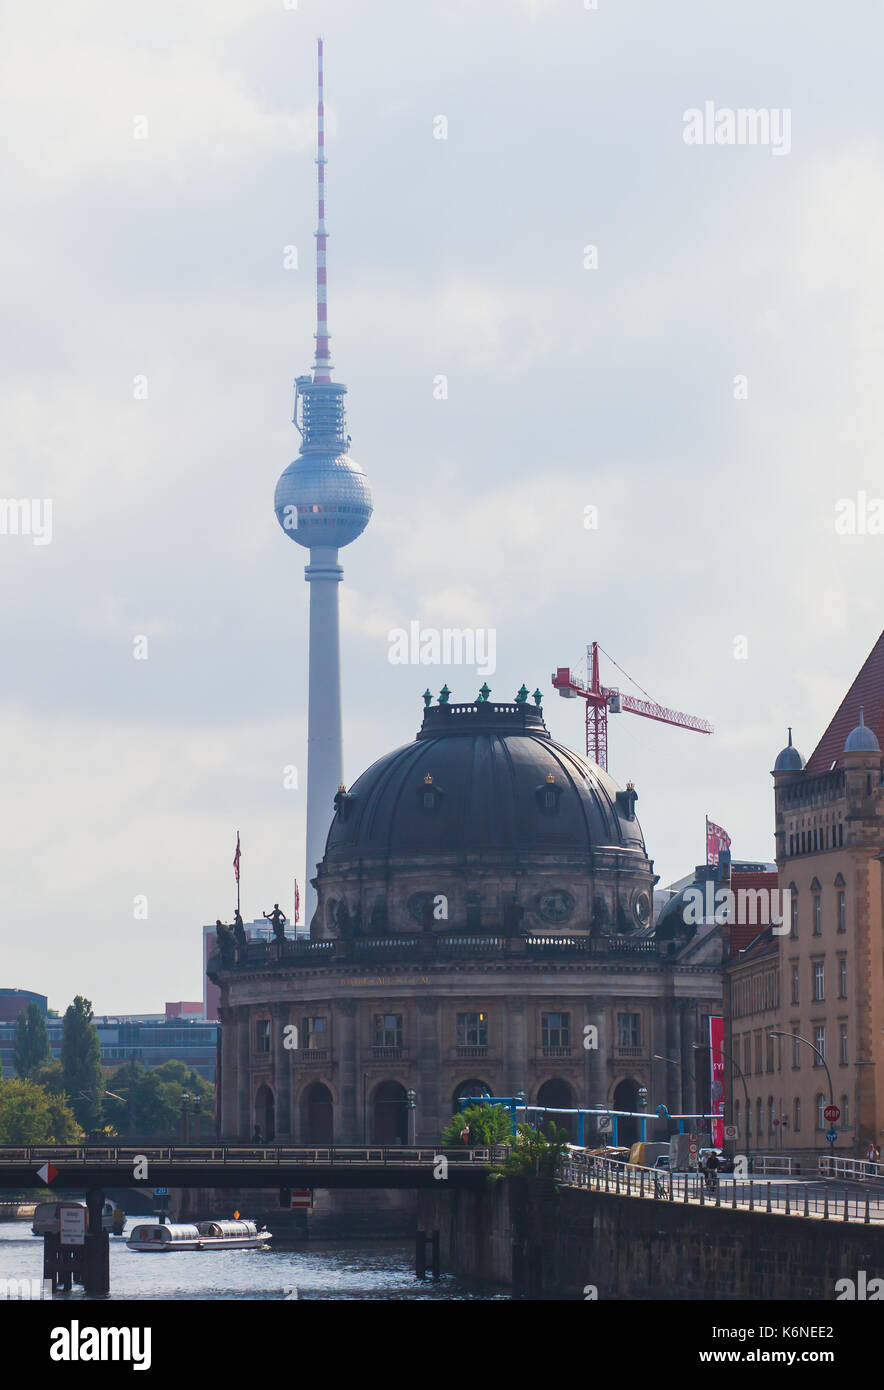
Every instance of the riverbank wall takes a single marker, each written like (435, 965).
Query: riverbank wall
(566, 1243)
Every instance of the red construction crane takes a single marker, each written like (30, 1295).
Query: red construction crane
(602, 698)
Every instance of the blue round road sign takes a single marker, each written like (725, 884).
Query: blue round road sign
(832, 1136)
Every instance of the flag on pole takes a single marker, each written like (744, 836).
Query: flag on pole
(717, 839)
(236, 858)
(297, 903)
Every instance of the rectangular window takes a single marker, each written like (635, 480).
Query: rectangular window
(819, 980)
(817, 915)
(759, 1054)
(262, 1035)
(388, 1030)
(842, 978)
(770, 1052)
(844, 1047)
(795, 985)
(819, 1040)
(555, 1030)
(796, 1054)
(313, 1034)
(472, 1030)
(793, 908)
(629, 1031)
(842, 911)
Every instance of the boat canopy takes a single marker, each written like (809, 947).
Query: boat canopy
(228, 1229)
(163, 1234)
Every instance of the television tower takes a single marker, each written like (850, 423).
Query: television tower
(323, 502)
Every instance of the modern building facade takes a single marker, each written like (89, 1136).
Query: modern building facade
(483, 923)
(149, 1039)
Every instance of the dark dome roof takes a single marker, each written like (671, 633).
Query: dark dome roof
(789, 759)
(482, 778)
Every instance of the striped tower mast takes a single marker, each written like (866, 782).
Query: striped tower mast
(322, 502)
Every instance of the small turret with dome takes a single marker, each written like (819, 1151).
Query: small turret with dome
(789, 759)
(862, 739)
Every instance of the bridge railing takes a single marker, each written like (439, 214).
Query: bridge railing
(853, 1169)
(770, 1195)
(233, 1154)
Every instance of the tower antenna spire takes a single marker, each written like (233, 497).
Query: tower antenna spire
(322, 366)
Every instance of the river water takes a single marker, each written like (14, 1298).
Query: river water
(350, 1270)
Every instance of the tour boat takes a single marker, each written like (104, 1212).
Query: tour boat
(207, 1235)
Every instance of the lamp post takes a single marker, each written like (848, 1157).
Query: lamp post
(186, 1098)
(698, 1047)
(775, 1033)
(410, 1099)
(674, 1062)
(642, 1096)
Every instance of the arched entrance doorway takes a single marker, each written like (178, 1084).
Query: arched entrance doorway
(556, 1093)
(265, 1115)
(626, 1098)
(317, 1115)
(471, 1087)
(389, 1110)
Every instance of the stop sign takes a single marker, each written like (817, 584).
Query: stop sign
(832, 1113)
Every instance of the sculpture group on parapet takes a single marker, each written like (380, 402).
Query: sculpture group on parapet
(232, 941)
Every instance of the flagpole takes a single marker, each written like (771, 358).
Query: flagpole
(237, 872)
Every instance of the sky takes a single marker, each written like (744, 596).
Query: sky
(707, 379)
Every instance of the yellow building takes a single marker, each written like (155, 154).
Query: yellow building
(830, 858)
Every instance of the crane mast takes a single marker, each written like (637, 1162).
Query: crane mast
(600, 699)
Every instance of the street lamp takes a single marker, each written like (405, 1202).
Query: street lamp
(699, 1047)
(410, 1099)
(775, 1033)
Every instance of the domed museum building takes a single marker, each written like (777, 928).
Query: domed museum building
(483, 923)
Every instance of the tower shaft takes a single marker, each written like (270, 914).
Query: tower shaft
(325, 758)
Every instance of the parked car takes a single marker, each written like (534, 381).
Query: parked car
(662, 1162)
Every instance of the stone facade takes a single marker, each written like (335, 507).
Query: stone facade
(483, 923)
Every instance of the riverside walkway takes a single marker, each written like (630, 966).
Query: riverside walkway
(812, 1197)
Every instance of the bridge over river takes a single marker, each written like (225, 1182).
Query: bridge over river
(90, 1167)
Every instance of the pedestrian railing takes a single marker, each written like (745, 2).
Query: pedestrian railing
(771, 1195)
(232, 1155)
(854, 1169)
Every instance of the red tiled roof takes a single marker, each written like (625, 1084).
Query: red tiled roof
(743, 933)
(867, 690)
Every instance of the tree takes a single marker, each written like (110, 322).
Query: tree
(30, 1115)
(534, 1154)
(488, 1124)
(150, 1101)
(51, 1077)
(81, 1063)
(31, 1048)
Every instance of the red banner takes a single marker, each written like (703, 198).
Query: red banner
(716, 1075)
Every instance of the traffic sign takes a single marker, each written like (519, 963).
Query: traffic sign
(47, 1173)
(605, 1124)
(731, 1132)
(832, 1136)
(302, 1200)
(161, 1192)
(832, 1113)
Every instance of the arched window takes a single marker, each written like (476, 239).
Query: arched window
(796, 1116)
(821, 1104)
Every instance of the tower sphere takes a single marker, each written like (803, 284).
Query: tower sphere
(323, 499)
